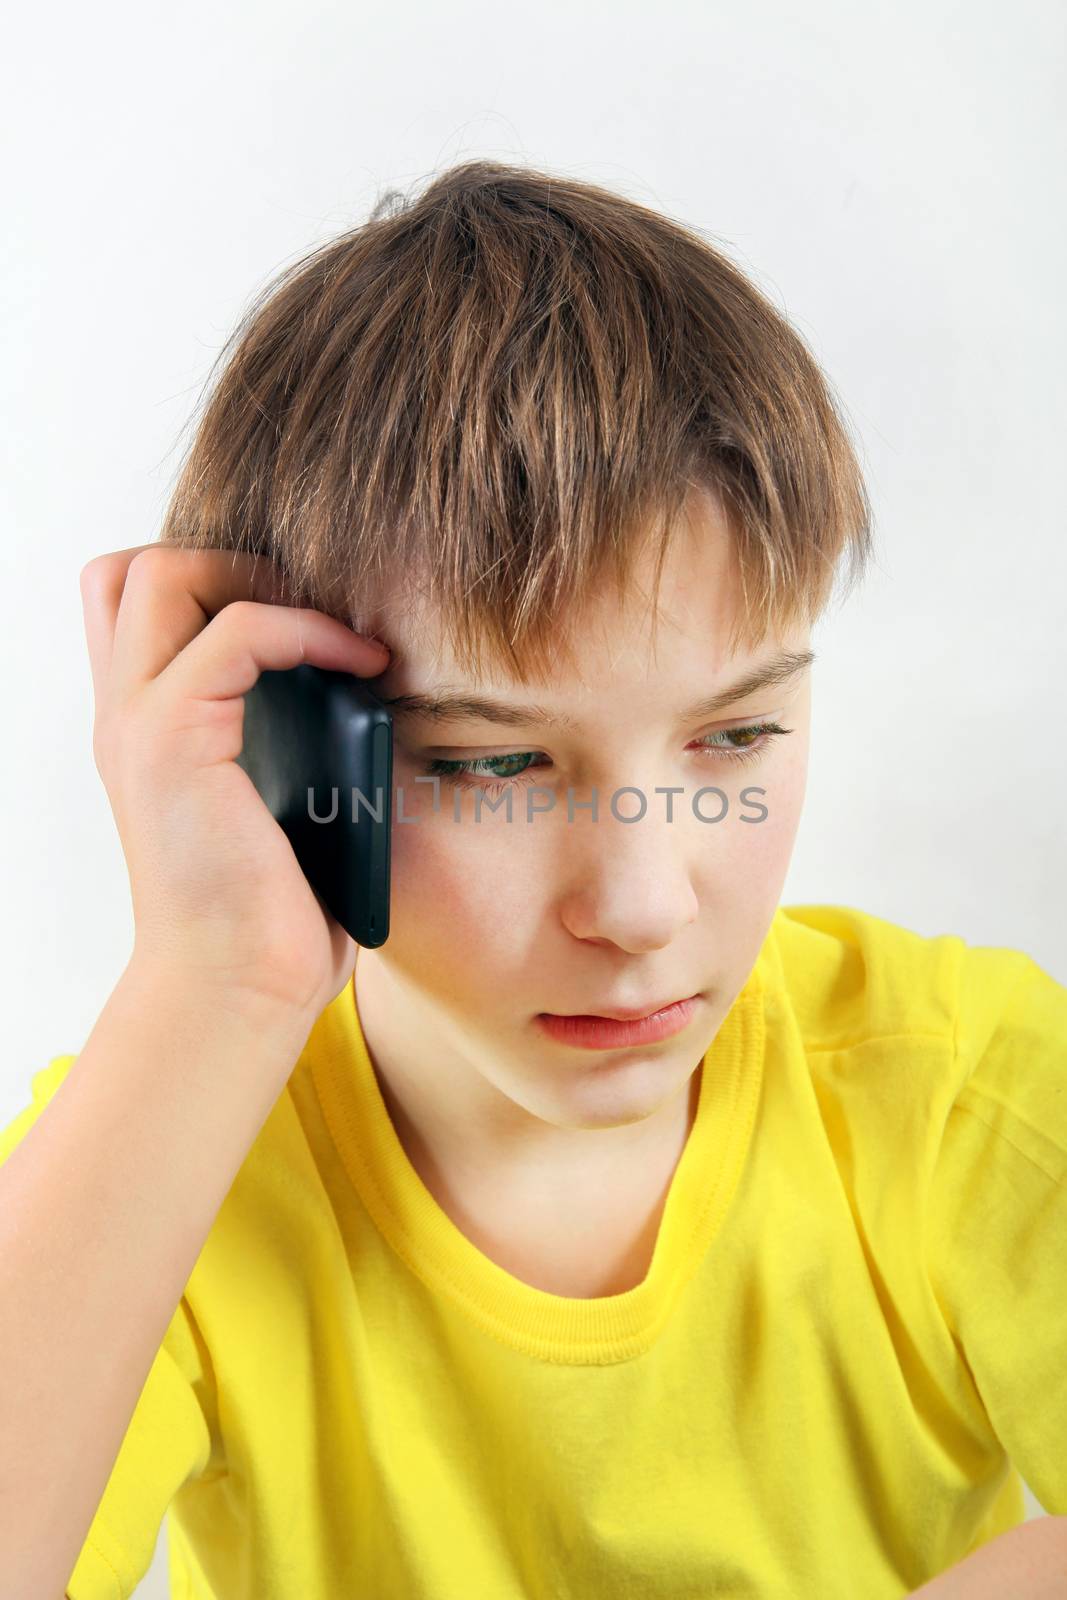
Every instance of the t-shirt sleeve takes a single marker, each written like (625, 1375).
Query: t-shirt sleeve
(997, 1230)
(172, 1437)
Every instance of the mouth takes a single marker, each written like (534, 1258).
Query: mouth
(601, 1031)
(617, 1014)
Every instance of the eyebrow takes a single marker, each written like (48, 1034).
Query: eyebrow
(445, 705)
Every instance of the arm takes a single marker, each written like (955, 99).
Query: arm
(104, 1207)
(1029, 1562)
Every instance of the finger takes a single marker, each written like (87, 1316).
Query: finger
(246, 638)
(101, 581)
(170, 595)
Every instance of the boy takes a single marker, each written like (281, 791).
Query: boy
(439, 1272)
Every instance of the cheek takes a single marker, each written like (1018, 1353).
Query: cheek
(750, 857)
(464, 918)
(775, 836)
(465, 876)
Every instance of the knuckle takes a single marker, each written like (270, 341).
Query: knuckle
(240, 614)
(150, 563)
(95, 572)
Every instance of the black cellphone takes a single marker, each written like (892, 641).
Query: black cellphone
(319, 748)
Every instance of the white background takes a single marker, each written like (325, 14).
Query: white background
(892, 176)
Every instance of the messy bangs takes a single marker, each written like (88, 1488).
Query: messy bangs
(495, 391)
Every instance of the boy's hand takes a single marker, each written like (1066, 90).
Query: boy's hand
(176, 638)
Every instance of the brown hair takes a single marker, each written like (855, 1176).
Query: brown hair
(500, 387)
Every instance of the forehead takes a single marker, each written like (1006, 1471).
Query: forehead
(698, 602)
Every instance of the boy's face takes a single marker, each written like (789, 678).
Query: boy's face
(495, 921)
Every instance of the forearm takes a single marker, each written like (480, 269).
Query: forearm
(104, 1207)
(1028, 1562)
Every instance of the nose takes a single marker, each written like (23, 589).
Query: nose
(629, 882)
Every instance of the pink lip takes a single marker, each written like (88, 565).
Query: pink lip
(615, 1033)
(627, 1016)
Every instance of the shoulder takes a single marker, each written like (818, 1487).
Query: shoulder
(1011, 1053)
(853, 978)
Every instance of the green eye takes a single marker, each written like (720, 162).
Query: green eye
(481, 767)
(472, 774)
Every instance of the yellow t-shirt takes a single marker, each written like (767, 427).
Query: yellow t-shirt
(850, 1342)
